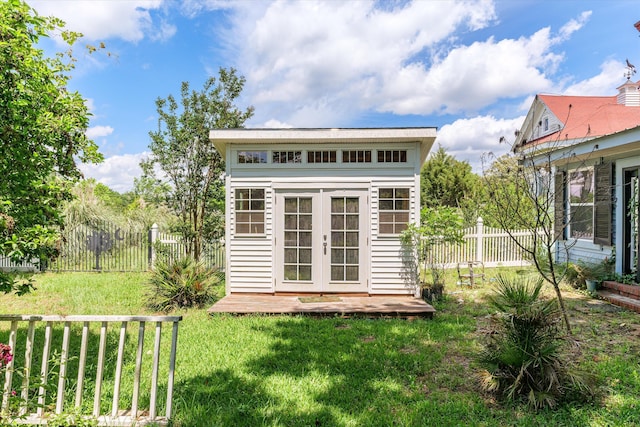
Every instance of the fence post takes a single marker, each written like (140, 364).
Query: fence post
(154, 233)
(480, 240)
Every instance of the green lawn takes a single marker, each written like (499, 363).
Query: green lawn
(303, 371)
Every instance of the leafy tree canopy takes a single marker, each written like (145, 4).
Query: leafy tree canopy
(446, 181)
(42, 133)
(182, 151)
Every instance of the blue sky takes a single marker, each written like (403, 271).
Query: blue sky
(470, 68)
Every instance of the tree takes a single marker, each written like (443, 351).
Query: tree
(503, 174)
(182, 151)
(446, 181)
(42, 133)
(523, 199)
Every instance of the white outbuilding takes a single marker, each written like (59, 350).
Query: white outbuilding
(320, 210)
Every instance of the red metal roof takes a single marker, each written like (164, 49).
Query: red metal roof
(587, 117)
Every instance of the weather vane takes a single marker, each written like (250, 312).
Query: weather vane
(631, 70)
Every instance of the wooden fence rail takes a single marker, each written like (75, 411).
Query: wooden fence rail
(43, 399)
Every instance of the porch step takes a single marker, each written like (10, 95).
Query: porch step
(629, 303)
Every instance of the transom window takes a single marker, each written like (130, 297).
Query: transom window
(356, 156)
(581, 204)
(321, 156)
(393, 215)
(252, 157)
(392, 156)
(249, 211)
(286, 157)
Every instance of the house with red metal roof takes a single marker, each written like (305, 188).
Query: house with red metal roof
(591, 145)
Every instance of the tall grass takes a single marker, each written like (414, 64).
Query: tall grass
(304, 371)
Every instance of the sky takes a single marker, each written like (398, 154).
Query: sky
(470, 68)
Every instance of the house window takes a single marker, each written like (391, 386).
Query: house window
(545, 124)
(321, 156)
(286, 157)
(356, 156)
(581, 204)
(393, 210)
(249, 211)
(392, 156)
(252, 157)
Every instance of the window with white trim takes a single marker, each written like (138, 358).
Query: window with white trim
(328, 156)
(286, 157)
(249, 204)
(581, 204)
(252, 157)
(393, 210)
(392, 156)
(356, 156)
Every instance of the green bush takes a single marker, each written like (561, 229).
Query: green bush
(180, 284)
(524, 354)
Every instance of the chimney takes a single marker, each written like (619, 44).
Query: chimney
(628, 94)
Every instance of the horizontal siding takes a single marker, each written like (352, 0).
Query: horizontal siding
(389, 273)
(584, 252)
(249, 267)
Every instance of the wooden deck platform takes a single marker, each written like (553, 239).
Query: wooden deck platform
(375, 306)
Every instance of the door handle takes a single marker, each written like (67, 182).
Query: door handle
(324, 245)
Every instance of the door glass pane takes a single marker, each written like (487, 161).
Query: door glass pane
(305, 222)
(290, 222)
(290, 256)
(337, 222)
(305, 272)
(297, 239)
(352, 205)
(345, 225)
(304, 239)
(305, 205)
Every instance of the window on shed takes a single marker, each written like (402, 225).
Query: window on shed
(392, 156)
(249, 210)
(252, 157)
(321, 156)
(356, 156)
(393, 210)
(286, 157)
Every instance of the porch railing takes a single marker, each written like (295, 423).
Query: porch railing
(82, 361)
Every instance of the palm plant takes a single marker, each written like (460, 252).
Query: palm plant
(524, 353)
(181, 283)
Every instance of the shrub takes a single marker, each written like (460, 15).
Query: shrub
(181, 283)
(524, 352)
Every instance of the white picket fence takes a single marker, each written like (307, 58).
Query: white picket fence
(493, 247)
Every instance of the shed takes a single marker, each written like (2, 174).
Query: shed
(320, 210)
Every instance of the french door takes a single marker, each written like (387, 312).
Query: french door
(321, 241)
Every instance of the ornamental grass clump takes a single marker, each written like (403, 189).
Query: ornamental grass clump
(182, 283)
(525, 355)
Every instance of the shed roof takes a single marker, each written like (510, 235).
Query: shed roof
(424, 135)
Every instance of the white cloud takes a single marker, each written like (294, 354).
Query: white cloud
(470, 139)
(116, 172)
(574, 25)
(600, 85)
(338, 59)
(99, 131)
(103, 19)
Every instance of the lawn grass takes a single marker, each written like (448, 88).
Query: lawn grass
(332, 371)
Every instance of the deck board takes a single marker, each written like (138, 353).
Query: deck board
(393, 306)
